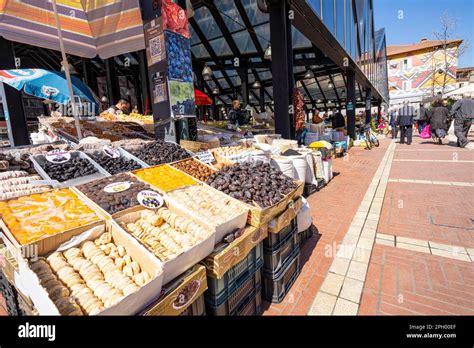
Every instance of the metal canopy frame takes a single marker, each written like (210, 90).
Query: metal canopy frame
(222, 63)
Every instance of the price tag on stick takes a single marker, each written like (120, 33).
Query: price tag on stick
(206, 157)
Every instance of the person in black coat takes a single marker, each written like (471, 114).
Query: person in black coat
(438, 120)
(422, 118)
(337, 119)
(463, 113)
(405, 121)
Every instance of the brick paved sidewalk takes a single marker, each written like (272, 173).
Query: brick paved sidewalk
(332, 210)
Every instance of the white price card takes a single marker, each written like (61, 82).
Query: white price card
(206, 157)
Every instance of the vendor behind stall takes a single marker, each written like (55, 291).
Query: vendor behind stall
(121, 107)
(337, 119)
(237, 116)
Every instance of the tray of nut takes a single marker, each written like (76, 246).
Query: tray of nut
(160, 152)
(96, 273)
(171, 235)
(115, 193)
(264, 189)
(65, 168)
(220, 212)
(195, 168)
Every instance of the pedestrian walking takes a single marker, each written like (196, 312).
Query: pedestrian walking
(393, 123)
(405, 121)
(421, 118)
(463, 113)
(438, 121)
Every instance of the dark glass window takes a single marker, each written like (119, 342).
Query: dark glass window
(328, 14)
(348, 26)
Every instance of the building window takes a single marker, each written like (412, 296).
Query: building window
(406, 85)
(406, 64)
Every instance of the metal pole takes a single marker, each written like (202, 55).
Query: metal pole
(66, 70)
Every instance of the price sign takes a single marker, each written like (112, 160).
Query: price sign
(206, 157)
(111, 152)
(58, 156)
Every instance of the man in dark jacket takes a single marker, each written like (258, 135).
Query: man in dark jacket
(236, 114)
(463, 112)
(337, 119)
(421, 118)
(405, 121)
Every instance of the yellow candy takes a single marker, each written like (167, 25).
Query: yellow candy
(31, 218)
(165, 177)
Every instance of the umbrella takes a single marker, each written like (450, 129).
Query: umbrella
(46, 84)
(201, 98)
(89, 27)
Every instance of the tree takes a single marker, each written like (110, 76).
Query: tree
(444, 58)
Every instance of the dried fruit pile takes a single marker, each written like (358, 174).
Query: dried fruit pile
(160, 152)
(165, 177)
(76, 167)
(118, 198)
(253, 183)
(195, 169)
(115, 165)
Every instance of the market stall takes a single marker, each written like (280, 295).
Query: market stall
(152, 231)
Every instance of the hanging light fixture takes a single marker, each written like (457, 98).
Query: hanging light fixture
(319, 101)
(330, 85)
(207, 71)
(309, 74)
(256, 84)
(268, 52)
(215, 91)
(104, 99)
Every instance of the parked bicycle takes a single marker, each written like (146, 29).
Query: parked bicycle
(371, 139)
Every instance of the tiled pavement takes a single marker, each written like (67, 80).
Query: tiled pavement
(418, 208)
(332, 210)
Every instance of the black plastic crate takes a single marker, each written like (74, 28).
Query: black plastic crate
(197, 308)
(305, 235)
(236, 302)
(309, 189)
(274, 260)
(276, 287)
(274, 240)
(253, 305)
(236, 275)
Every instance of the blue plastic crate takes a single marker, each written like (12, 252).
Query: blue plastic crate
(217, 288)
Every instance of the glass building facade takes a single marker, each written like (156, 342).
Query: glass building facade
(352, 24)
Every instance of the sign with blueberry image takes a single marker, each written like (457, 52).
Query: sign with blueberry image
(182, 98)
(58, 156)
(150, 199)
(178, 50)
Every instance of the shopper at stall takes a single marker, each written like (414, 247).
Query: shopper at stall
(394, 122)
(463, 113)
(421, 118)
(121, 107)
(438, 121)
(405, 122)
(337, 119)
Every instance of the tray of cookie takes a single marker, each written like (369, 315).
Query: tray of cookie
(173, 235)
(213, 209)
(99, 272)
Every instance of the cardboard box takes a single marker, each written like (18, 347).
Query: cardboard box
(174, 267)
(177, 297)
(284, 219)
(129, 305)
(221, 260)
(221, 230)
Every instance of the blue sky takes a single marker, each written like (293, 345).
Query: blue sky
(421, 18)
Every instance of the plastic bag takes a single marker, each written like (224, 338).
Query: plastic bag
(426, 133)
(304, 217)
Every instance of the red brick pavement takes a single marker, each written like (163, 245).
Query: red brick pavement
(438, 213)
(447, 153)
(403, 282)
(343, 196)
